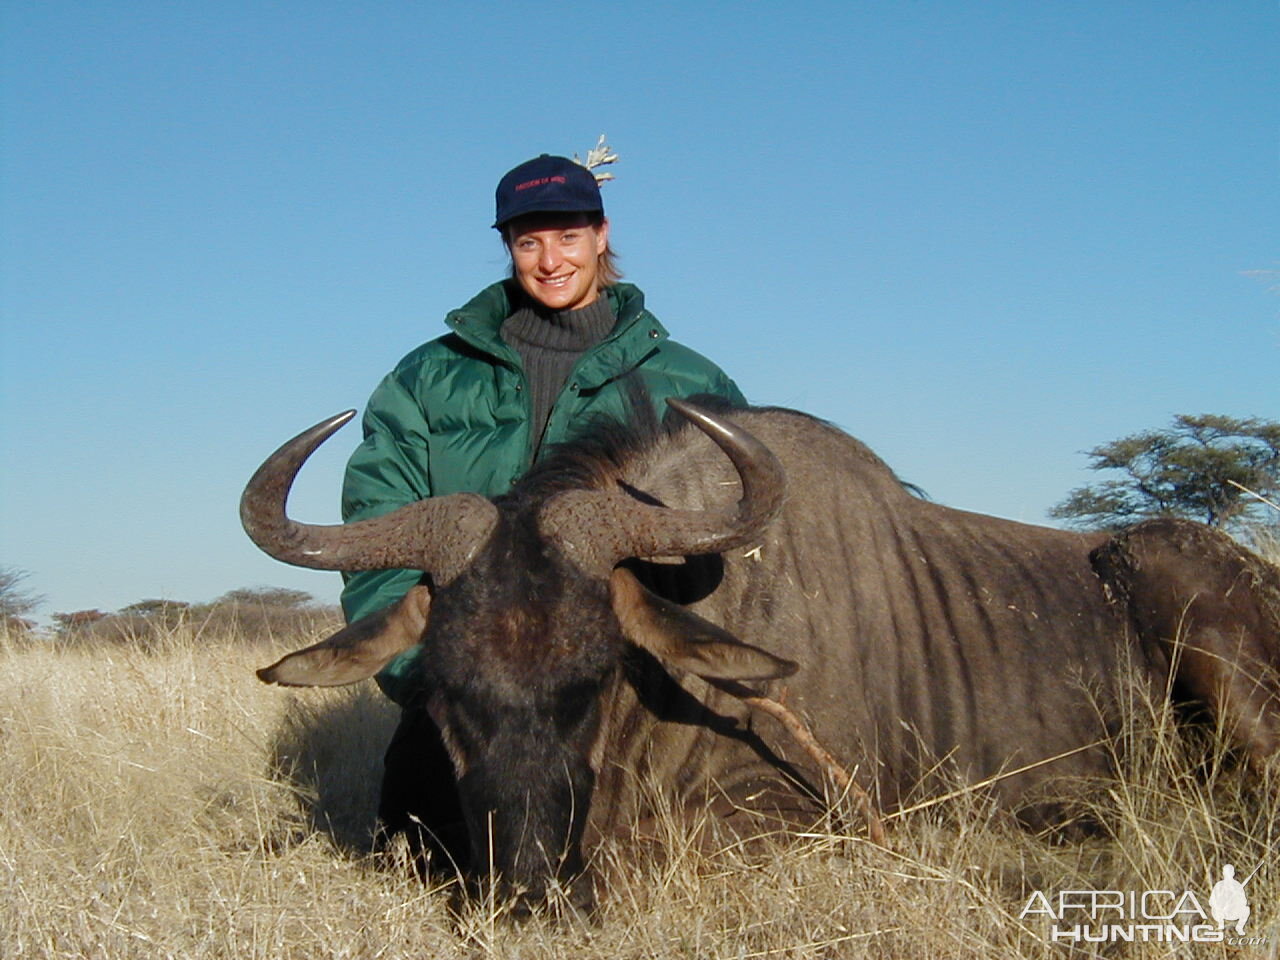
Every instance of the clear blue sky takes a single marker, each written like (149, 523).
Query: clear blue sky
(983, 237)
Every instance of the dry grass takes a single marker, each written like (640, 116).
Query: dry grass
(1264, 540)
(166, 804)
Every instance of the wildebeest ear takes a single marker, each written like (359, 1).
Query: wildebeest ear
(684, 639)
(357, 651)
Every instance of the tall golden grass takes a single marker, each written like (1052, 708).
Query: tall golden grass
(164, 803)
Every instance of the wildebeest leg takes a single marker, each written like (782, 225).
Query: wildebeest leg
(420, 796)
(1215, 610)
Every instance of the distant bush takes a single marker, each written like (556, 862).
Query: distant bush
(17, 630)
(268, 597)
(264, 622)
(77, 620)
(251, 614)
(166, 609)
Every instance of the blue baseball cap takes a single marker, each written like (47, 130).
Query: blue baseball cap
(546, 184)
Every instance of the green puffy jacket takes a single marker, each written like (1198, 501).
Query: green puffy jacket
(453, 417)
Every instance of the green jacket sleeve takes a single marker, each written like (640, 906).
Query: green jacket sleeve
(387, 471)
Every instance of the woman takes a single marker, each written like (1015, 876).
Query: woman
(529, 363)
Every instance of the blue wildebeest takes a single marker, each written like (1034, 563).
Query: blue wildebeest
(592, 632)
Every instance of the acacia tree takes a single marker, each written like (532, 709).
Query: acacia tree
(1200, 467)
(267, 597)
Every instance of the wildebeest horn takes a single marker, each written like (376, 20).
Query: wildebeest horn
(598, 528)
(439, 535)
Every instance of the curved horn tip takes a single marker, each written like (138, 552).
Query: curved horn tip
(340, 419)
(257, 513)
(323, 430)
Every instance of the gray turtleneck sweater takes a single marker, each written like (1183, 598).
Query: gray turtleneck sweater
(549, 344)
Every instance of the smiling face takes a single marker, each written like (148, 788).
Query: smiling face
(556, 258)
